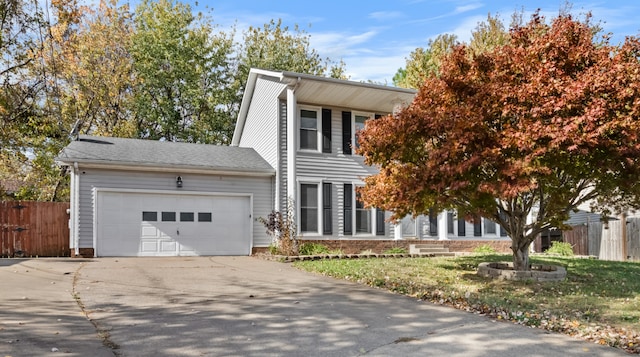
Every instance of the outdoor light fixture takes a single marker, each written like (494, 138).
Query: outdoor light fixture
(179, 181)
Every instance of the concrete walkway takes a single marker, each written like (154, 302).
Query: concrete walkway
(240, 306)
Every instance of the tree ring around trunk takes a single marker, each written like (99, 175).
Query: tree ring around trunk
(538, 272)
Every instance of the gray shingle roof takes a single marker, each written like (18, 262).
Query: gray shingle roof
(158, 154)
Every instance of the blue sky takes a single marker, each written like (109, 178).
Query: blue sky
(375, 37)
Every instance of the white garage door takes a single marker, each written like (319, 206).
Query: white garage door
(138, 224)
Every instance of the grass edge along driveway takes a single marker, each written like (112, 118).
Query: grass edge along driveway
(599, 300)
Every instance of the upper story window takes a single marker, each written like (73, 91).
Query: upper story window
(310, 128)
(358, 124)
(352, 123)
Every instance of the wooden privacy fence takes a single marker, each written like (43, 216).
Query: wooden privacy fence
(612, 241)
(29, 229)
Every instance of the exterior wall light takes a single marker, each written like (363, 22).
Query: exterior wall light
(179, 182)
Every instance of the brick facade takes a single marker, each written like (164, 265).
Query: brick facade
(379, 246)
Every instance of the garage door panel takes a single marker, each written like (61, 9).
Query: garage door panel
(131, 224)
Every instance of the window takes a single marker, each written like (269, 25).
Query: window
(309, 208)
(309, 126)
(358, 124)
(489, 227)
(204, 217)
(168, 216)
(150, 216)
(186, 217)
(363, 217)
(408, 224)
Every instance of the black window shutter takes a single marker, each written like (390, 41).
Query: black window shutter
(327, 227)
(379, 222)
(462, 224)
(449, 222)
(326, 130)
(433, 223)
(477, 227)
(346, 133)
(348, 196)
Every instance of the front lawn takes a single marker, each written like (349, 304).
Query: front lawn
(599, 300)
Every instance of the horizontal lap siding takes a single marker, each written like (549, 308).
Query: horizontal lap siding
(261, 126)
(260, 187)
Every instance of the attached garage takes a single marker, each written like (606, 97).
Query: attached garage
(132, 197)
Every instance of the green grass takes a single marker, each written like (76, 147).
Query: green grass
(599, 300)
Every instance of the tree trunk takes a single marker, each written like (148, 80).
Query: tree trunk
(520, 250)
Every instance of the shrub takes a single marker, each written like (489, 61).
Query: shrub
(273, 249)
(283, 231)
(561, 248)
(396, 250)
(310, 248)
(484, 249)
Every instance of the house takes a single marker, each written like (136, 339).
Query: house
(293, 144)
(306, 128)
(134, 197)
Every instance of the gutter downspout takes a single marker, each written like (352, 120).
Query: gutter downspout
(292, 146)
(75, 191)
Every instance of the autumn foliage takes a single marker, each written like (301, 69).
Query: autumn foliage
(520, 134)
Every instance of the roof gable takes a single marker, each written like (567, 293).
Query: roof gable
(324, 91)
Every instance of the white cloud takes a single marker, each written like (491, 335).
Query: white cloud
(379, 69)
(385, 15)
(466, 8)
(340, 45)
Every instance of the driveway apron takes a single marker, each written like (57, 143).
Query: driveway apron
(245, 306)
(39, 315)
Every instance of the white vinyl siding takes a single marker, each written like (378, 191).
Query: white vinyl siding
(261, 127)
(260, 187)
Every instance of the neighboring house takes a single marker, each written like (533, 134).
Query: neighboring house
(306, 128)
(149, 198)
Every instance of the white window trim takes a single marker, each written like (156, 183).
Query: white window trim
(353, 127)
(354, 215)
(318, 183)
(318, 111)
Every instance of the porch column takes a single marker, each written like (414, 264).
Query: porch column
(397, 231)
(442, 226)
(292, 148)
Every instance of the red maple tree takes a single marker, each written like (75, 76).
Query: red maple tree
(521, 134)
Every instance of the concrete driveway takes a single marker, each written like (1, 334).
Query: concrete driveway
(239, 306)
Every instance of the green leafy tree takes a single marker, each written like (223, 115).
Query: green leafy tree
(424, 62)
(183, 70)
(95, 72)
(276, 47)
(520, 134)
